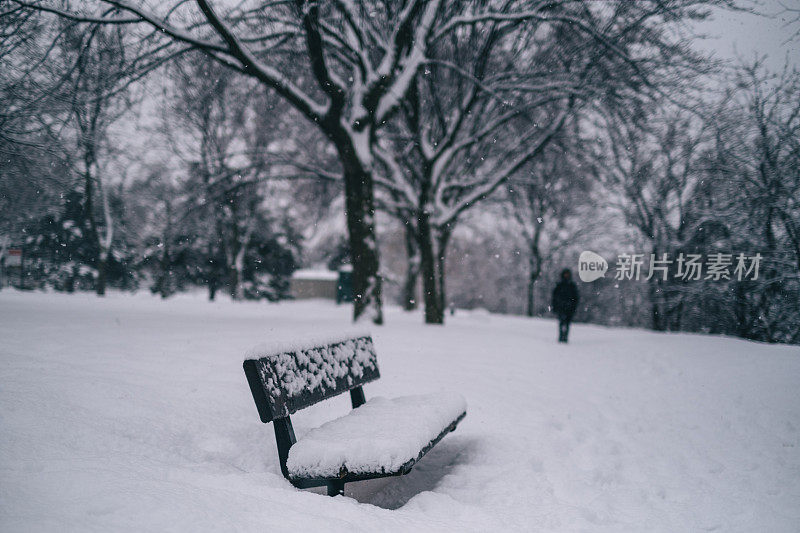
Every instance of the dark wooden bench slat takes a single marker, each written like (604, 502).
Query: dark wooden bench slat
(316, 368)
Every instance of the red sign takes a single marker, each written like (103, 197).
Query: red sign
(14, 257)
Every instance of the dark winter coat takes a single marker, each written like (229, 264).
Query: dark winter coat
(565, 298)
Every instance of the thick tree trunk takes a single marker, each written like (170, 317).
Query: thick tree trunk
(412, 271)
(360, 213)
(430, 291)
(432, 251)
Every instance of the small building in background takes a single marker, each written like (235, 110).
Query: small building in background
(308, 283)
(11, 266)
(321, 283)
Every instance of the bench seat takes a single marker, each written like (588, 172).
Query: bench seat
(382, 437)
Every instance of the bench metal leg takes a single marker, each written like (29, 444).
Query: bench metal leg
(336, 488)
(357, 397)
(284, 437)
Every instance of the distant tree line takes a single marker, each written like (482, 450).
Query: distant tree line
(532, 128)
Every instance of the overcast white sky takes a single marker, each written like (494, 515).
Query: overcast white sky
(746, 35)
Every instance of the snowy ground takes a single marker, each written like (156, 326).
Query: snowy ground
(133, 413)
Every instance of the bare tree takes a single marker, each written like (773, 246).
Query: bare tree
(544, 199)
(216, 108)
(754, 167)
(766, 151)
(720, 180)
(361, 60)
(94, 89)
(491, 100)
(653, 166)
(347, 67)
(33, 173)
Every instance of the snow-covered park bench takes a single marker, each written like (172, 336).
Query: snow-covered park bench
(378, 438)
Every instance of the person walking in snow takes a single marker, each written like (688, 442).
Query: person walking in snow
(565, 303)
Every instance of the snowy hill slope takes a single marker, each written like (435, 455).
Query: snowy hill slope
(133, 413)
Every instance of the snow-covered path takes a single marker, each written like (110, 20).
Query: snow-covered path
(133, 413)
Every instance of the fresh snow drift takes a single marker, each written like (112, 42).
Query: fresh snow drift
(132, 413)
(379, 437)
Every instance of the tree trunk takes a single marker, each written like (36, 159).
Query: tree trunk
(412, 271)
(360, 213)
(88, 213)
(531, 287)
(102, 244)
(237, 268)
(431, 248)
(212, 276)
(4, 243)
(678, 316)
(163, 282)
(216, 252)
(430, 291)
(740, 310)
(535, 270)
(441, 249)
(234, 283)
(762, 313)
(534, 264)
(655, 297)
(101, 274)
(237, 291)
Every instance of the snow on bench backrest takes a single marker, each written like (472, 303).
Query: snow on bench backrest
(284, 381)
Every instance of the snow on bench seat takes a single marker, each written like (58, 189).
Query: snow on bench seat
(379, 437)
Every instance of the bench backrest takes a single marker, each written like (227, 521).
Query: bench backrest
(285, 381)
